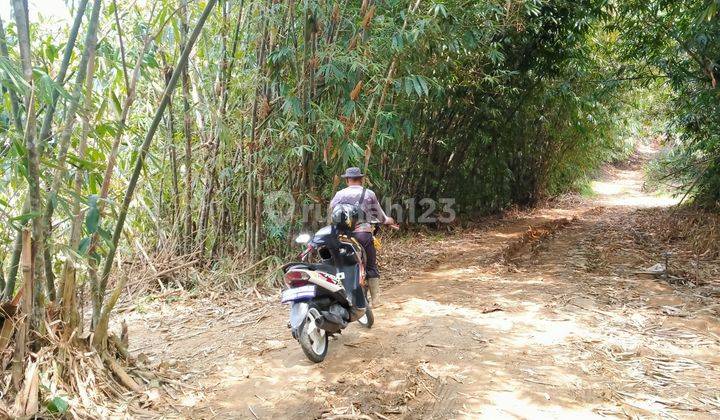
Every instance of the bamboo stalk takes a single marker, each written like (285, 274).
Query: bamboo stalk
(187, 132)
(122, 46)
(64, 143)
(144, 149)
(33, 158)
(173, 163)
(69, 312)
(62, 73)
(105, 188)
(44, 135)
(22, 327)
(212, 157)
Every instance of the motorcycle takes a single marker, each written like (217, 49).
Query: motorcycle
(327, 295)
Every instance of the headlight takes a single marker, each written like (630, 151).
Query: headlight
(303, 238)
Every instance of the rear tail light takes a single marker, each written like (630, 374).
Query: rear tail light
(296, 278)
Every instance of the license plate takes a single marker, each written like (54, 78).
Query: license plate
(298, 293)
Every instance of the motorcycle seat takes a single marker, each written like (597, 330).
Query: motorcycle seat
(327, 268)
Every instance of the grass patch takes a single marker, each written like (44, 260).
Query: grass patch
(584, 188)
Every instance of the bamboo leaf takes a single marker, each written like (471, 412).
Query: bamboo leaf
(57, 405)
(397, 42)
(92, 217)
(424, 85)
(12, 77)
(26, 217)
(84, 246)
(439, 9)
(416, 86)
(408, 86)
(116, 103)
(348, 108)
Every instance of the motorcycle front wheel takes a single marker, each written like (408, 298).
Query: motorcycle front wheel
(313, 340)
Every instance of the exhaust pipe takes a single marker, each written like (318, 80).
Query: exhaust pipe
(334, 319)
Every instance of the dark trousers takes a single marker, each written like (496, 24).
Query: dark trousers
(367, 242)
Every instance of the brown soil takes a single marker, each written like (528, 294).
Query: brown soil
(540, 314)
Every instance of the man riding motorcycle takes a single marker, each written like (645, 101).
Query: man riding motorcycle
(370, 210)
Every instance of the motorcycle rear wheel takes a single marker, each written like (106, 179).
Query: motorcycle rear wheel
(313, 340)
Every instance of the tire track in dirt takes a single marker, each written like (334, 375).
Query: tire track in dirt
(419, 358)
(529, 318)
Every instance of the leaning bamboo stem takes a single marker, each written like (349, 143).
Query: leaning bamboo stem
(144, 149)
(114, 151)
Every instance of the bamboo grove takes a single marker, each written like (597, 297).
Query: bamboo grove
(173, 124)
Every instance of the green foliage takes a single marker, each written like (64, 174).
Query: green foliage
(517, 113)
(57, 405)
(492, 103)
(678, 44)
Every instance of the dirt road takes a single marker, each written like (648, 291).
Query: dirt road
(540, 315)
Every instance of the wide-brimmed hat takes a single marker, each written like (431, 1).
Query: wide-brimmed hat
(352, 173)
